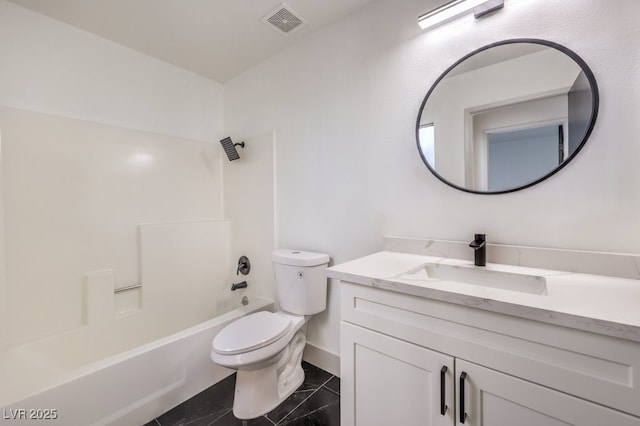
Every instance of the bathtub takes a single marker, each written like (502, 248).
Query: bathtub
(129, 388)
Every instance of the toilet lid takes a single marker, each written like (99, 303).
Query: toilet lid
(251, 332)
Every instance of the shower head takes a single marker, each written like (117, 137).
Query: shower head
(230, 148)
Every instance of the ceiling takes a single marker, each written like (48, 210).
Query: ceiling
(218, 39)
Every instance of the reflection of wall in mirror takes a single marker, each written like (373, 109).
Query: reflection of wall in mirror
(580, 105)
(542, 74)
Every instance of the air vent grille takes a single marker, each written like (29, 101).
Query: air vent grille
(284, 19)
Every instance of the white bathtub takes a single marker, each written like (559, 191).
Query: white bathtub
(129, 388)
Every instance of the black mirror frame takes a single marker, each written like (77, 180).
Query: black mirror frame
(594, 109)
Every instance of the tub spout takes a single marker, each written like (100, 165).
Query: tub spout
(479, 246)
(235, 286)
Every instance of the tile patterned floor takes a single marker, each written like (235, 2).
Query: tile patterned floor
(316, 402)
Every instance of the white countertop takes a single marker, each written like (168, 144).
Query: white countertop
(600, 304)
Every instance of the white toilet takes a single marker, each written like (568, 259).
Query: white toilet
(266, 348)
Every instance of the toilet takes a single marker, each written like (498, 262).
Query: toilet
(266, 347)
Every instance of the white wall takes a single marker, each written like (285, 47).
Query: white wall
(249, 207)
(344, 103)
(96, 138)
(51, 67)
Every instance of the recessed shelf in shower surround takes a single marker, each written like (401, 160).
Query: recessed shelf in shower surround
(128, 301)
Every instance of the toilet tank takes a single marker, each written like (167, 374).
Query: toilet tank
(301, 280)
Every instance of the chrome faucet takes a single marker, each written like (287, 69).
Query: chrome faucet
(479, 246)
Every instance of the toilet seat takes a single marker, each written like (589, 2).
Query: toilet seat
(250, 333)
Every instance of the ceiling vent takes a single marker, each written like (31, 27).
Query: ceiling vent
(284, 19)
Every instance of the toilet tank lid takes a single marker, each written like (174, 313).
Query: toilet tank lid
(299, 257)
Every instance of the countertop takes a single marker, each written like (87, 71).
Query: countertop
(596, 303)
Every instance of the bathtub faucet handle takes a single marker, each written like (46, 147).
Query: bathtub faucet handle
(235, 286)
(244, 266)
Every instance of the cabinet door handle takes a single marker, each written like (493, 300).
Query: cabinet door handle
(443, 406)
(463, 415)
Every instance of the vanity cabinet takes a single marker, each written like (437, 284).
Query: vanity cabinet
(407, 360)
(493, 398)
(392, 382)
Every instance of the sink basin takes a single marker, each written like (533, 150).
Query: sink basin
(481, 276)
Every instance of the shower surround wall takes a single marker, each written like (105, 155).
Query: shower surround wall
(75, 193)
(96, 139)
(348, 168)
(99, 138)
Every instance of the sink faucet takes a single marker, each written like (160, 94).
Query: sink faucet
(479, 246)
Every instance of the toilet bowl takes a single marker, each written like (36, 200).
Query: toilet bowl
(266, 348)
(253, 341)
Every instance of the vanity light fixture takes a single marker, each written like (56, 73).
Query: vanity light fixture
(455, 8)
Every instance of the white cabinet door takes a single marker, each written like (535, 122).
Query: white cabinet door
(387, 381)
(496, 399)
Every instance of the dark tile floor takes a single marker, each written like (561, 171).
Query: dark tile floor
(316, 402)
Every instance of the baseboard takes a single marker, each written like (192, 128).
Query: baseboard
(326, 360)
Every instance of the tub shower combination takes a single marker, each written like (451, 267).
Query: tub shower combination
(137, 357)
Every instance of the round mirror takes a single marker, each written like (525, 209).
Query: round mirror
(507, 116)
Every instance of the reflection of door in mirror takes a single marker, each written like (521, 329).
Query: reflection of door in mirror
(501, 131)
(517, 157)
